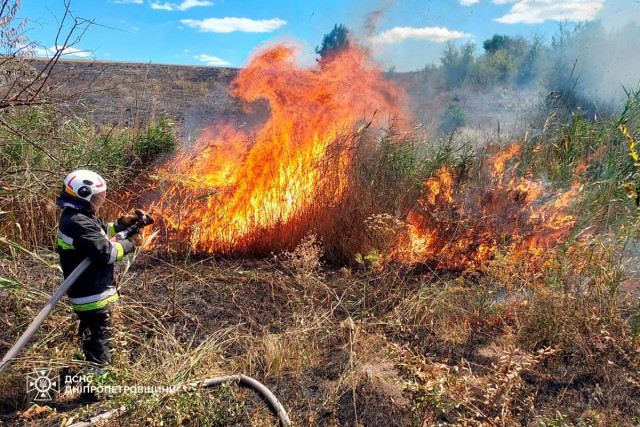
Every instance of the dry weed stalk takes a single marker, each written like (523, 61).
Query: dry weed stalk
(460, 395)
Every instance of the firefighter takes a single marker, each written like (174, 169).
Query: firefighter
(82, 233)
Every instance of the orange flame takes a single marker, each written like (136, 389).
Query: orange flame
(235, 189)
(260, 190)
(464, 225)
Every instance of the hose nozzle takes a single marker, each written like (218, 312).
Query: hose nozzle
(144, 220)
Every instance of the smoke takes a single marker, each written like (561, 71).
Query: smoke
(583, 67)
(374, 18)
(371, 22)
(604, 52)
(606, 61)
(593, 61)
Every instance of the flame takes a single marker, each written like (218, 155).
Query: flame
(499, 163)
(236, 189)
(461, 226)
(439, 186)
(261, 188)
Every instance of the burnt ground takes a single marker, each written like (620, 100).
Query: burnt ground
(336, 346)
(318, 379)
(129, 95)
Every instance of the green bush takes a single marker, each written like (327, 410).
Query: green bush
(39, 146)
(157, 140)
(456, 63)
(454, 117)
(592, 155)
(334, 41)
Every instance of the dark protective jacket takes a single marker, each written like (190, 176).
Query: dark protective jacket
(80, 234)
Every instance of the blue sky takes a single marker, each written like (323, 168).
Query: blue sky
(407, 34)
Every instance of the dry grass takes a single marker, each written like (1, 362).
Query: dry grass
(489, 349)
(342, 334)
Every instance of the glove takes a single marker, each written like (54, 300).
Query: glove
(136, 239)
(131, 218)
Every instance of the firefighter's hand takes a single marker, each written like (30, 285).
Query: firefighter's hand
(141, 214)
(136, 239)
(131, 218)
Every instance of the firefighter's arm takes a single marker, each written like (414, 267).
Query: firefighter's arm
(113, 228)
(122, 223)
(91, 239)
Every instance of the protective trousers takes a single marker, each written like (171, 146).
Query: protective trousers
(96, 331)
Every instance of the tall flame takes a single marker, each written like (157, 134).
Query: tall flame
(236, 188)
(261, 189)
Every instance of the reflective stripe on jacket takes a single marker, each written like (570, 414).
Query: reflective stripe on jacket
(80, 234)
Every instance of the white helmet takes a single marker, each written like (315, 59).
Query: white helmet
(83, 184)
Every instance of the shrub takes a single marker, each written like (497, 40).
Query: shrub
(39, 146)
(456, 63)
(454, 117)
(333, 42)
(156, 141)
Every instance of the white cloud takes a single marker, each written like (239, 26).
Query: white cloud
(69, 51)
(128, 1)
(398, 34)
(538, 11)
(228, 25)
(505, 1)
(40, 51)
(72, 51)
(186, 4)
(214, 61)
(166, 6)
(468, 2)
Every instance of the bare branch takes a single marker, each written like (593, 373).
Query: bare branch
(23, 84)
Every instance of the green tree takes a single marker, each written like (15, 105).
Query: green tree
(334, 41)
(454, 117)
(506, 60)
(496, 43)
(456, 63)
(532, 61)
(516, 47)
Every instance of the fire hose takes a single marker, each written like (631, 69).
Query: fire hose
(209, 382)
(24, 339)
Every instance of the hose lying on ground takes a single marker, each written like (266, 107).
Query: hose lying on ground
(37, 322)
(209, 382)
(33, 327)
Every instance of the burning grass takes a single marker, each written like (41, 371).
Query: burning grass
(327, 161)
(434, 280)
(258, 191)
